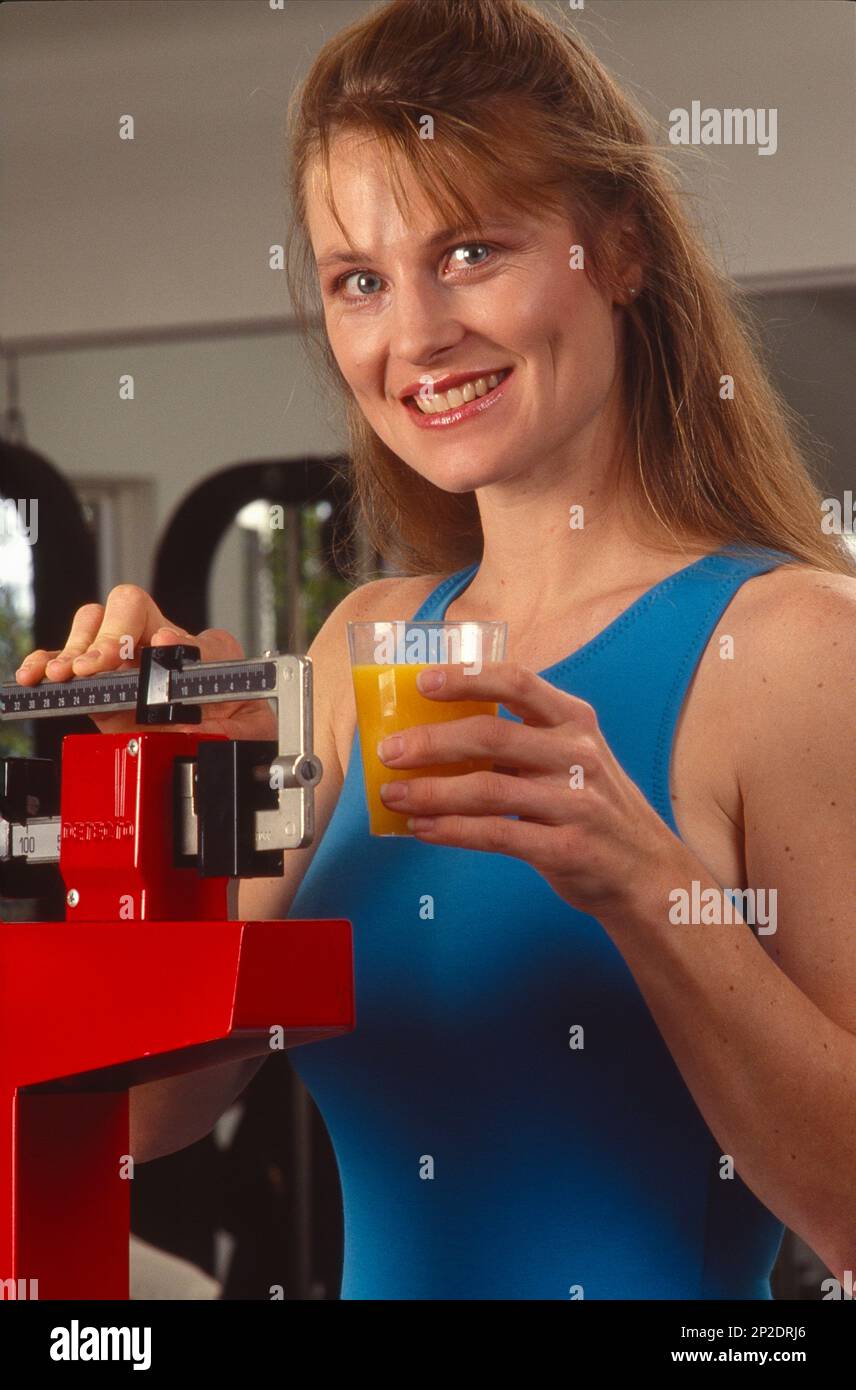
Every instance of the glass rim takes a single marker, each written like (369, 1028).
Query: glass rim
(427, 622)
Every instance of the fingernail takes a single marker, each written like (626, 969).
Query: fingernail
(393, 791)
(92, 655)
(390, 747)
(430, 680)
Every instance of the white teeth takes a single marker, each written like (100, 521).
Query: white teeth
(456, 396)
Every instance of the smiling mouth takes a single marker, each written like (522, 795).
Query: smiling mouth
(440, 402)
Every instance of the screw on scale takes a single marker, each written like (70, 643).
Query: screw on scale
(237, 803)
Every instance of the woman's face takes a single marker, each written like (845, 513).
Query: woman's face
(419, 304)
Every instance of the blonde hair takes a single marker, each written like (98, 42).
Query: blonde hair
(524, 111)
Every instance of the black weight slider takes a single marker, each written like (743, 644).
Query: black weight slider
(153, 703)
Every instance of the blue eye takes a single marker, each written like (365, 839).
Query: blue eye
(357, 275)
(458, 254)
(468, 246)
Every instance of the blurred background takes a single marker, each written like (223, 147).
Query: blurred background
(150, 259)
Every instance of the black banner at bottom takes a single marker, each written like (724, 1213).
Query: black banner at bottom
(252, 1338)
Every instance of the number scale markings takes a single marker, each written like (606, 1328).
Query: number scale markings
(198, 683)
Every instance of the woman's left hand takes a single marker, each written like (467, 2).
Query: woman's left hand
(583, 823)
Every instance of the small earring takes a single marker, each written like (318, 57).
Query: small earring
(634, 289)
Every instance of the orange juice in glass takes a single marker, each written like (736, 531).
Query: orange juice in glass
(386, 658)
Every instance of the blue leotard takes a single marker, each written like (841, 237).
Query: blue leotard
(480, 1155)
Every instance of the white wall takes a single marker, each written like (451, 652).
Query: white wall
(791, 215)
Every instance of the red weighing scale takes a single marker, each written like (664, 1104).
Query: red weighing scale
(147, 977)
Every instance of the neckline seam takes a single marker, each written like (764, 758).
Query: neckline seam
(607, 634)
(747, 561)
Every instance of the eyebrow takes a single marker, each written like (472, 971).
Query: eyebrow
(349, 257)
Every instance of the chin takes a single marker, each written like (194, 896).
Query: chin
(459, 468)
(467, 478)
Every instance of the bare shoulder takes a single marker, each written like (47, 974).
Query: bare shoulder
(791, 617)
(398, 596)
(778, 668)
(792, 729)
(794, 654)
(801, 586)
(395, 597)
(390, 598)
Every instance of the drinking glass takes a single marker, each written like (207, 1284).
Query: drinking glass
(386, 658)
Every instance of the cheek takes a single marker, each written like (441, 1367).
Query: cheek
(558, 316)
(581, 336)
(351, 353)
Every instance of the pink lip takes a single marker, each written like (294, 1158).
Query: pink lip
(456, 415)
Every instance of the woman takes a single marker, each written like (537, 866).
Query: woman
(574, 1072)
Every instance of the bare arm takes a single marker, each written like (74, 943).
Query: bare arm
(170, 1114)
(763, 1028)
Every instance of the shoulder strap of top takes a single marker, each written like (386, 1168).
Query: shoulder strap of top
(720, 577)
(638, 676)
(636, 673)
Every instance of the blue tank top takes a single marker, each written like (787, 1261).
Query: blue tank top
(480, 1155)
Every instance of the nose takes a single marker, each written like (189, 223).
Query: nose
(422, 323)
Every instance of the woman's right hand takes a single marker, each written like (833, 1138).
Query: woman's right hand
(131, 620)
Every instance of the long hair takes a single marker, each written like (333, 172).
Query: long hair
(524, 111)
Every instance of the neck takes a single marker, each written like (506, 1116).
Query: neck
(558, 540)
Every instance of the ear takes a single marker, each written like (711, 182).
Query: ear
(629, 256)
